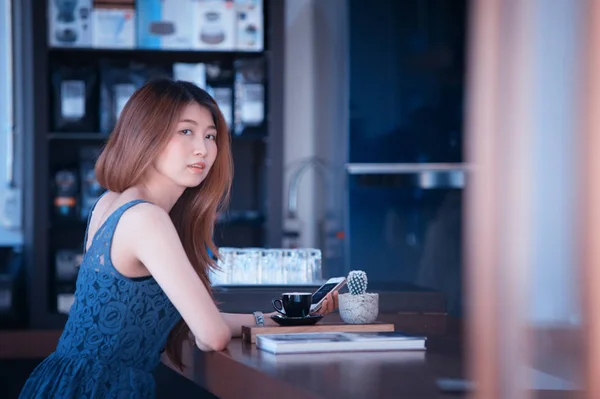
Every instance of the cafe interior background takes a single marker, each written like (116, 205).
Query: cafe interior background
(445, 147)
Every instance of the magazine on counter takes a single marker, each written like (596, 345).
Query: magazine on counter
(338, 342)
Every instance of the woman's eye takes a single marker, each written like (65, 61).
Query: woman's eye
(211, 136)
(186, 131)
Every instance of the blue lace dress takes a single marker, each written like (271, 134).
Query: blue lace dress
(116, 331)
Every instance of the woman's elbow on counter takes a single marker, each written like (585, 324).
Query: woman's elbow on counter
(221, 344)
(216, 343)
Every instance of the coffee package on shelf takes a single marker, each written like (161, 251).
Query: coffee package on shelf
(249, 113)
(219, 84)
(118, 82)
(90, 188)
(66, 190)
(74, 99)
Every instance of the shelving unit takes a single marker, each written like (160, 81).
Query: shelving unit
(254, 215)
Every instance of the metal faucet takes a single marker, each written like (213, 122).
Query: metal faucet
(305, 166)
(329, 235)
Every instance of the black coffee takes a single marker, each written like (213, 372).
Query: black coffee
(294, 304)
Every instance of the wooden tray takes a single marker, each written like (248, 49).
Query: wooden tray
(249, 332)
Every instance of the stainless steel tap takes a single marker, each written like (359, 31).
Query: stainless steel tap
(329, 230)
(305, 166)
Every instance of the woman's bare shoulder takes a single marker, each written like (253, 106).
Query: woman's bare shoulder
(111, 201)
(146, 218)
(105, 200)
(147, 230)
(145, 212)
(142, 224)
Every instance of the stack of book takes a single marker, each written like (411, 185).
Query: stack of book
(338, 342)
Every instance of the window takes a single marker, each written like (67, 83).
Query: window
(10, 223)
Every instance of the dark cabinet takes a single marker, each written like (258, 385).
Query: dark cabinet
(406, 66)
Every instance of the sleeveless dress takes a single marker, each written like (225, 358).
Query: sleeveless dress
(116, 331)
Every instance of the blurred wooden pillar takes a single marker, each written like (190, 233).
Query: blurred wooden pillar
(500, 140)
(590, 216)
(498, 195)
(484, 61)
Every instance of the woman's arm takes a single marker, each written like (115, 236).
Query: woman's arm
(235, 321)
(149, 235)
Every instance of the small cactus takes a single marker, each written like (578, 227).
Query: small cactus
(357, 282)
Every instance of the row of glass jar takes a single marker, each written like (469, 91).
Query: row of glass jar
(247, 266)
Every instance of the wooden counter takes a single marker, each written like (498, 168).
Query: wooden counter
(242, 371)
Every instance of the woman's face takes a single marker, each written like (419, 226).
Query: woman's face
(192, 150)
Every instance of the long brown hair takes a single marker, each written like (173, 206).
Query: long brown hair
(144, 128)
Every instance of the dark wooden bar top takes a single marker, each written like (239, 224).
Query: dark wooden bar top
(243, 371)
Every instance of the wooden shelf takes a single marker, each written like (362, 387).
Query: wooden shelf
(87, 55)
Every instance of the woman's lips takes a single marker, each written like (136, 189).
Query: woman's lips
(197, 167)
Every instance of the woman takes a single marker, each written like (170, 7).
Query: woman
(142, 285)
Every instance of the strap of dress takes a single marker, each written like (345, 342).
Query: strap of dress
(112, 221)
(87, 226)
(104, 235)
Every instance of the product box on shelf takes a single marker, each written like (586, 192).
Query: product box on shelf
(69, 23)
(249, 29)
(113, 27)
(214, 25)
(165, 24)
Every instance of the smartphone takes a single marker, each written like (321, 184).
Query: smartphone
(331, 285)
(454, 385)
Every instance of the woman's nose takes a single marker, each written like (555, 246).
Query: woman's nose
(199, 147)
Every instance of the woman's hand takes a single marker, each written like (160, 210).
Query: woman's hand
(330, 304)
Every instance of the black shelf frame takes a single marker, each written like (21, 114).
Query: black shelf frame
(32, 60)
(177, 53)
(77, 136)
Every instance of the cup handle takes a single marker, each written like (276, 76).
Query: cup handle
(280, 307)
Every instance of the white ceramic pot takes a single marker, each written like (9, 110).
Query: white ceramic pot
(358, 309)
